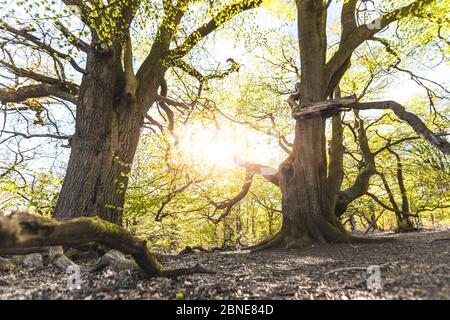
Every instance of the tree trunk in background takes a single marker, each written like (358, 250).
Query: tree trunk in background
(107, 130)
(404, 222)
(307, 215)
(336, 166)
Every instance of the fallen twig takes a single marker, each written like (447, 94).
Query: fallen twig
(352, 268)
(438, 239)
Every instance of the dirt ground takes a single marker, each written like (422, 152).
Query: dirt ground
(410, 268)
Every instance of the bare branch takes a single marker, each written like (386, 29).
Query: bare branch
(36, 91)
(41, 45)
(227, 205)
(24, 73)
(71, 38)
(367, 170)
(38, 135)
(414, 121)
(268, 173)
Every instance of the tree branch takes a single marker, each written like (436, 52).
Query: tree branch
(71, 38)
(41, 45)
(414, 121)
(268, 173)
(225, 15)
(24, 73)
(353, 38)
(38, 135)
(361, 183)
(234, 67)
(36, 91)
(227, 205)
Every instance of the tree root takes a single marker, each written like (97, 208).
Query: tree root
(118, 262)
(372, 240)
(407, 229)
(23, 251)
(438, 239)
(57, 258)
(19, 232)
(281, 242)
(114, 259)
(189, 250)
(260, 245)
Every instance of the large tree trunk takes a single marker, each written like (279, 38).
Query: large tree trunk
(108, 125)
(307, 214)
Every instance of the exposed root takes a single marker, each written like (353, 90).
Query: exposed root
(438, 239)
(285, 242)
(281, 242)
(372, 240)
(23, 251)
(406, 229)
(75, 254)
(114, 259)
(357, 247)
(257, 246)
(18, 232)
(117, 261)
(188, 250)
(57, 258)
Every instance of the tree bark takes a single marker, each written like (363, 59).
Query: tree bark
(336, 166)
(307, 215)
(108, 125)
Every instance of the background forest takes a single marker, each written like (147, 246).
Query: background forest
(188, 184)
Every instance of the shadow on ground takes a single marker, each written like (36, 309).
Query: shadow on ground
(410, 268)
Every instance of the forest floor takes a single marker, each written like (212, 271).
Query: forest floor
(410, 268)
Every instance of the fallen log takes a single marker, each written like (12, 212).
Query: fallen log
(18, 232)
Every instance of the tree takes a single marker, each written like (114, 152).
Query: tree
(112, 98)
(309, 195)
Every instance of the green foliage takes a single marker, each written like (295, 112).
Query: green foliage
(38, 194)
(170, 203)
(176, 189)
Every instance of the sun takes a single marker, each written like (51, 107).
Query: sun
(220, 153)
(206, 147)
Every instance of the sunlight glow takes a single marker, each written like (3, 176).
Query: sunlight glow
(212, 147)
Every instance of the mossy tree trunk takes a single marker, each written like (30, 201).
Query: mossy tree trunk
(307, 215)
(311, 195)
(108, 125)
